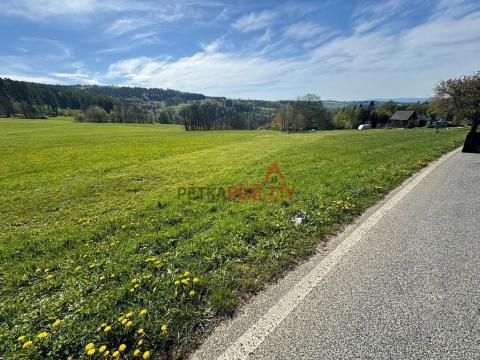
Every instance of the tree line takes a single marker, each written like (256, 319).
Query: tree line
(119, 114)
(309, 113)
(212, 116)
(169, 96)
(92, 103)
(33, 100)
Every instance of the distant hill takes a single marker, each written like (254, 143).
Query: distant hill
(153, 94)
(334, 104)
(404, 100)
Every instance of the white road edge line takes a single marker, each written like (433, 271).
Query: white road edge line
(259, 331)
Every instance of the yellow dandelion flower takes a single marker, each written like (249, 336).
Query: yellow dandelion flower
(124, 321)
(195, 280)
(185, 281)
(146, 355)
(102, 325)
(101, 278)
(129, 314)
(107, 329)
(42, 335)
(90, 352)
(122, 348)
(134, 281)
(192, 293)
(128, 324)
(143, 311)
(140, 331)
(164, 329)
(78, 268)
(137, 352)
(49, 277)
(106, 353)
(27, 345)
(56, 323)
(46, 270)
(21, 338)
(102, 348)
(116, 354)
(112, 276)
(89, 346)
(92, 266)
(132, 290)
(140, 342)
(38, 270)
(186, 273)
(136, 286)
(177, 282)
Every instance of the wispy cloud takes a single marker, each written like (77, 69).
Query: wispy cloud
(41, 9)
(369, 16)
(348, 66)
(125, 25)
(31, 78)
(254, 21)
(305, 30)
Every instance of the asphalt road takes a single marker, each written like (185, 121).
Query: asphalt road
(406, 287)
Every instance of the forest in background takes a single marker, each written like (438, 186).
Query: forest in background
(94, 103)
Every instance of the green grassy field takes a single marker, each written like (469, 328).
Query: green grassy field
(92, 230)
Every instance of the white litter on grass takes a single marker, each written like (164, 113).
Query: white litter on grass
(298, 219)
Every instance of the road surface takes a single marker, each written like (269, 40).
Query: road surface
(403, 282)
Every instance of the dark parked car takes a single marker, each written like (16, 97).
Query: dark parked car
(438, 124)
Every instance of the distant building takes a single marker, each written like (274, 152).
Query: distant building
(401, 118)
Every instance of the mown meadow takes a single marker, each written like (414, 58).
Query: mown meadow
(100, 258)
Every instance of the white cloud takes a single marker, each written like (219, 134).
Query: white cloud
(370, 16)
(30, 78)
(366, 64)
(86, 10)
(40, 9)
(254, 21)
(212, 47)
(76, 77)
(266, 36)
(213, 72)
(304, 30)
(124, 25)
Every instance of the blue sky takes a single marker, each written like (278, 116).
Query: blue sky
(340, 50)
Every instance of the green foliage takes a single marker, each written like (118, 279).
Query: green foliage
(32, 100)
(307, 113)
(97, 205)
(212, 116)
(462, 97)
(119, 114)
